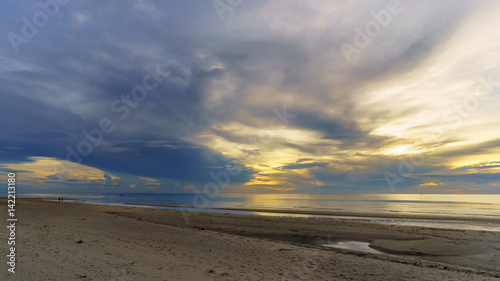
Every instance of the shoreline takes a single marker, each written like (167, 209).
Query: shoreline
(334, 214)
(417, 220)
(267, 248)
(337, 214)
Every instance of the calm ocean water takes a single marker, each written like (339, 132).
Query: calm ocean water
(484, 206)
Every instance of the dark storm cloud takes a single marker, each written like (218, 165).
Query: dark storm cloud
(40, 129)
(34, 128)
(189, 163)
(64, 80)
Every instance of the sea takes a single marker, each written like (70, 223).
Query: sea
(450, 211)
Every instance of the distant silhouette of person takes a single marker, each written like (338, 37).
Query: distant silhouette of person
(62, 199)
(59, 199)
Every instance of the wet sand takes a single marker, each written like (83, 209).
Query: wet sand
(126, 243)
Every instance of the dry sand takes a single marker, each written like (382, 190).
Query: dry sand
(125, 243)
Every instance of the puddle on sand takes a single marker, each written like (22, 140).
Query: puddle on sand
(353, 246)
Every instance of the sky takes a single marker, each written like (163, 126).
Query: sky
(238, 96)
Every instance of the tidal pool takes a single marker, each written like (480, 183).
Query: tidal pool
(353, 246)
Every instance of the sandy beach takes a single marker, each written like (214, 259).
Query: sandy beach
(68, 241)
